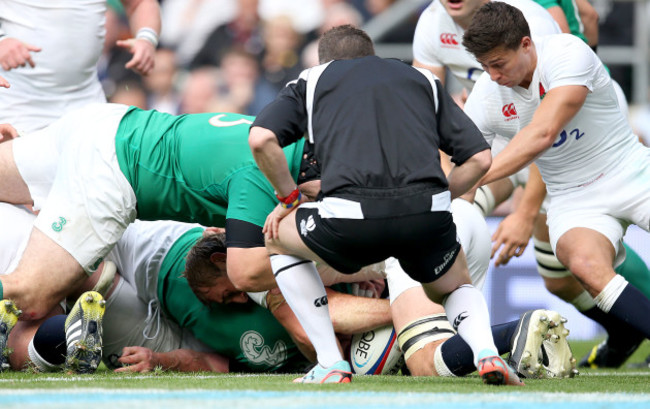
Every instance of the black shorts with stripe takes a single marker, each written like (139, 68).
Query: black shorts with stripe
(425, 244)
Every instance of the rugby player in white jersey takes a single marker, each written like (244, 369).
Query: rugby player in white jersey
(437, 46)
(49, 53)
(564, 115)
(440, 27)
(439, 32)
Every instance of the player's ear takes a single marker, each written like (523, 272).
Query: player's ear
(218, 257)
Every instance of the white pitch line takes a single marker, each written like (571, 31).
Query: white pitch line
(151, 376)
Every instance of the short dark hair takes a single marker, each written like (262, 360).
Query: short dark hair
(200, 272)
(344, 43)
(495, 24)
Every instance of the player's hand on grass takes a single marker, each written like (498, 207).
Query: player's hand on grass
(137, 359)
(511, 237)
(14, 53)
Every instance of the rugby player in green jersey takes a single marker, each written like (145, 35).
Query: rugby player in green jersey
(96, 170)
(153, 318)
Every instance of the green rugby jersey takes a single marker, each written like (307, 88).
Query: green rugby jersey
(195, 168)
(246, 333)
(571, 12)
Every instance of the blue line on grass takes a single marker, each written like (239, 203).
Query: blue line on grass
(193, 399)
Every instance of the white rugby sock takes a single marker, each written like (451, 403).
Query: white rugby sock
(606, 298)
(468, 314)
(39, 362)
(303, 290)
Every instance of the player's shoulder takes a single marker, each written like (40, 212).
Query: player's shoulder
(561, 44)
(526, 6)
(434, 18)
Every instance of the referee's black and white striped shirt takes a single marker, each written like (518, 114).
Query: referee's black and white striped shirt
(377, 125)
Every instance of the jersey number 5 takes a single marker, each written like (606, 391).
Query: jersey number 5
(219, 123)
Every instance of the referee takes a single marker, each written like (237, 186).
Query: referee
(376, 125)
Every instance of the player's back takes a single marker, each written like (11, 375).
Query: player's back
(179, 166)
(374, 125)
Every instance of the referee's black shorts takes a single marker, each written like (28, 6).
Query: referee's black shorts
(425, 244)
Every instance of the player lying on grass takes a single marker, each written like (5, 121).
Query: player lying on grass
(96, 170)
(152, 306)
(166, 330)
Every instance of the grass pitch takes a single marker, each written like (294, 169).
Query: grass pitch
(624, 380)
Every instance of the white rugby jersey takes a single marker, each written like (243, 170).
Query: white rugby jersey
(438, 39)
(71, 35)
(140, 252)
(17, 225)
(595, 141)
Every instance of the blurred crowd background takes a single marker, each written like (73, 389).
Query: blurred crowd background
(235, 55)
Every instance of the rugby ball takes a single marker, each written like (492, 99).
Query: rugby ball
(376, 352)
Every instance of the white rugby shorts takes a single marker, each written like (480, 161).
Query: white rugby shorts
(608, 204)
(72, 173)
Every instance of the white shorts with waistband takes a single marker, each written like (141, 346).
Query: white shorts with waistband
(72, 173)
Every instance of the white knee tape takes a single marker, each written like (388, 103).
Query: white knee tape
(547, 264)
(484, 200)
(416, 334)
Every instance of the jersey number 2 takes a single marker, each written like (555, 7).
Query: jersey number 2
(563, 136)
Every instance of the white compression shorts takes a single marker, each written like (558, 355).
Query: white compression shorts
(73, 176)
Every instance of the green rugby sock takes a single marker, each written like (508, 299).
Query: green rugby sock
(635, 271)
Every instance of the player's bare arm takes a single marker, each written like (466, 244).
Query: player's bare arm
(141, 359)
(560, 18)
(250, 269)
(559, 106)
(514, 232)
(7, 132)
(589, 17)
(462, 178)
(144, 20)
(271, 160)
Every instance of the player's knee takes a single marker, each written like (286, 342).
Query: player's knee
(419, 339)
(421, 362)
(484, 200)
(548, 265)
